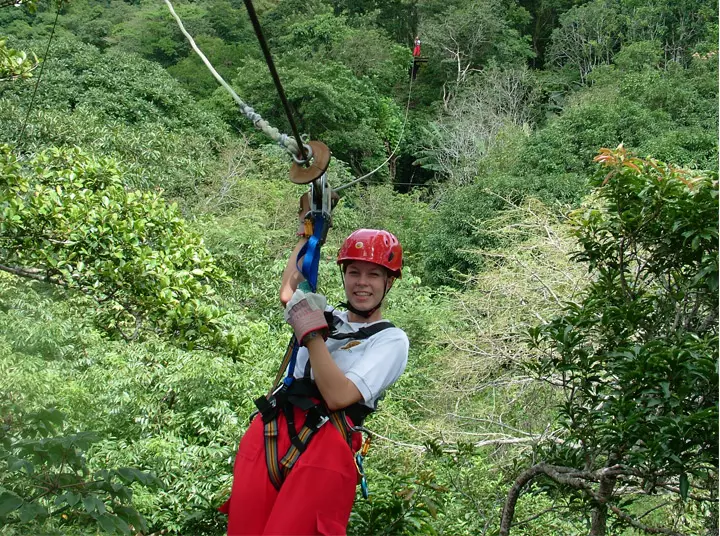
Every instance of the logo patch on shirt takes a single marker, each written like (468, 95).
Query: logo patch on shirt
(349, 345)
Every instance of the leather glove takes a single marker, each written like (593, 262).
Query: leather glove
(305, 312)
(305, 208)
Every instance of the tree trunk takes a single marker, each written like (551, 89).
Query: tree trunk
(599, 513)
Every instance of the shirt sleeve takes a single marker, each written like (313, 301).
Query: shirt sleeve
(382, 363)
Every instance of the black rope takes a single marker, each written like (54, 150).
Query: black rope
(37, 82)
(275, 77)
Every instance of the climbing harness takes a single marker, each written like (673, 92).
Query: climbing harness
(304, 394)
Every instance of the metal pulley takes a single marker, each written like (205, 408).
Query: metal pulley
(318, 155)
(319, 219)
(314, 172)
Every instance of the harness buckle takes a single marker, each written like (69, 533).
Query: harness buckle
(268, 405)
(321, 421)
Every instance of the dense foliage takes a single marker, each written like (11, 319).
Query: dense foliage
(68, 220)
(136, 200)
(635, 355)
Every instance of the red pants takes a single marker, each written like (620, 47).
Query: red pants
(316, 497)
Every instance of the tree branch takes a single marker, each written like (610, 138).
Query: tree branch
(576, 479)
(32, 273)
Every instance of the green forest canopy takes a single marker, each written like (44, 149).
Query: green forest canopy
(144, 225)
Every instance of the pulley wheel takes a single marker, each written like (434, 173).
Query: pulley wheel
(318, 164)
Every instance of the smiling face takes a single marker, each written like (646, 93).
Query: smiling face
(366, 284)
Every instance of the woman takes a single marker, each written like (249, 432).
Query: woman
(346, 362)
(416, 50)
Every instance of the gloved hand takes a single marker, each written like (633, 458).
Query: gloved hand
(305, 312)
(305, 208)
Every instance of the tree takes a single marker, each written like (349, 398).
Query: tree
(66, 219)
(636, 358)
(588, 36)
(399, 18)
(495, 99)
(544, 15)
(192, 73)
(153, 34)
(464, 38)
(679, 26)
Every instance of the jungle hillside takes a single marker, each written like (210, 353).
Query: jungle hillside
(549, 166)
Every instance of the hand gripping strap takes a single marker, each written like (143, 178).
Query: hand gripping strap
(310, 254)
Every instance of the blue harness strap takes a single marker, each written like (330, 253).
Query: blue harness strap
(310, 253)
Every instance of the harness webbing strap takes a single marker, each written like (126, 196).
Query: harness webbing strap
(362, 333)
(292, 348)
(304, 396)
(310, 252)
(297, 448)
(338, 420)
(271, 453)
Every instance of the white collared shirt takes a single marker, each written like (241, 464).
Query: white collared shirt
(372, 364)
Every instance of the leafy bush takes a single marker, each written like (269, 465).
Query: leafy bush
(116, 105)
(643, 109)
(115, 85)
(46, 479)
(67, 220)
(636, 357)
(150, 405)
(460, 229)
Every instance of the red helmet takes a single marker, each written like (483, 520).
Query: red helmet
(371, 245)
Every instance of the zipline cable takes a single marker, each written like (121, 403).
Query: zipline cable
(273, 72)
(287, 142)
(283, 140)
(37, 82)
(402, 132)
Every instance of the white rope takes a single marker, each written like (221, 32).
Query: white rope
(402, 132)
(285, 141)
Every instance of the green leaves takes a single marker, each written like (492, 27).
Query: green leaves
(15, 64)
(49, 476)
(67, 219)
(9, 502)
(636, 357)
(684, 485)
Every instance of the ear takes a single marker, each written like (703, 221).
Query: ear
(389, 283)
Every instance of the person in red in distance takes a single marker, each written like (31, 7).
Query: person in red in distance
(416, 50)
(346, 362)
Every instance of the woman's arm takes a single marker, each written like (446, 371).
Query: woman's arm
(337, 390)
(291, 277)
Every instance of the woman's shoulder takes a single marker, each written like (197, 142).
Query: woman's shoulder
(392, 334)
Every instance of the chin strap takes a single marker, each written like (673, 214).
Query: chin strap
(364, 314)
